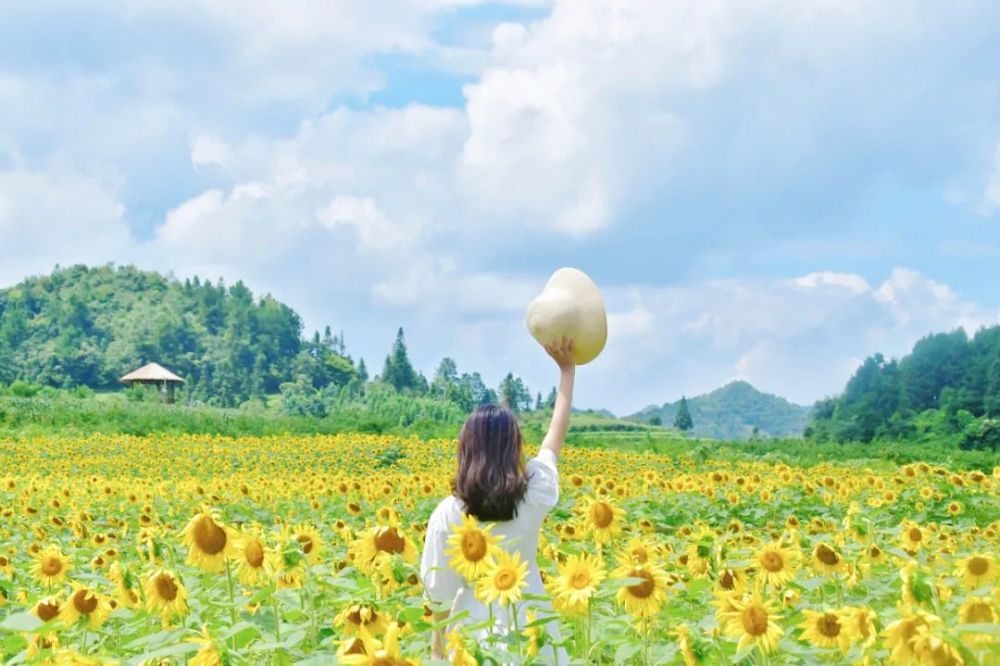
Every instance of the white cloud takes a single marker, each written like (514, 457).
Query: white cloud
(57, 216)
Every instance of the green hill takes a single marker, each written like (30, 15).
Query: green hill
(733, 411)
(85, 326)
(946, 389)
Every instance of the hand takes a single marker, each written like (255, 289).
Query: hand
(562, 353)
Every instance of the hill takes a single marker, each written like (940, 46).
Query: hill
(84, 326)
(947, 387)
(733, 411)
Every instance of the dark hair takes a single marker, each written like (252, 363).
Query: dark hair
(490, 478)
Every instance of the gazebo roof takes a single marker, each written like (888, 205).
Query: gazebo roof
(151, 372)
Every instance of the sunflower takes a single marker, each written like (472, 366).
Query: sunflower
(50, 566)
(504, 579)
(826, 559)
(731, 580)
(47, 609)
(900, 635)
(208, 654)
(753, 621)
(603, 518)
(859, 623)
(210, 542)
(690, 650)
(776, 564)
(934, 650)
(643, 597)
(362, 617)
(977, 570)
(827, 629)
(978, 610)
(459, 655)
(256, 562)
(874, 554)
(310, 542)
(84, 602)
(378, 653)
(126, 584)
(165, 593)
(578, 579)
(639, 550)
(912, 537)
(376, 546)
(472, 547)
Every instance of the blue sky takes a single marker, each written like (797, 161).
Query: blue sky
(764, 191)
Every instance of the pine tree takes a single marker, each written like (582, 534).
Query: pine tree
(398, 371)
(362, 371)
(683, 420)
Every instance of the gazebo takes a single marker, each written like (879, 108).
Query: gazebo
(156, 375)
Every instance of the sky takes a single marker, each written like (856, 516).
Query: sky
(769, 191)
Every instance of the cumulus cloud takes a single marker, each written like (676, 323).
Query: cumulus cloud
(57, 216)
(799, 337)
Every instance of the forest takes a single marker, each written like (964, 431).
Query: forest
(86, 327)
(946, 389)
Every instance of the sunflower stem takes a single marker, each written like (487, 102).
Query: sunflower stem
(232, 600)
(517, 633)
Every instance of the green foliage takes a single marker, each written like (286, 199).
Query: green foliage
(983, 434)
(85, 326)
(682, 421)
(939, 391)
(732, 412)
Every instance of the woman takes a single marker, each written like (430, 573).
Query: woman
(494, 486)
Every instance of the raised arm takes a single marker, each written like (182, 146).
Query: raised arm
(561, 352)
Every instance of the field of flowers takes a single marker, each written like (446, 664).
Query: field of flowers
(209, 550)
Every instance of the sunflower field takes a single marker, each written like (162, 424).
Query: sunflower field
(277, 550)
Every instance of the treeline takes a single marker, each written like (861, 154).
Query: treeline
(86, 327)
(948, 388)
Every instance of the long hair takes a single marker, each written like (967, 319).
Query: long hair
(490, 478)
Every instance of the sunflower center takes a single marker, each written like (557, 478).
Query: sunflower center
(978, 565)
(727, 581)
(85, 602)
(51, 566)
(874, 551)
(47, 610)
(640, 555)
(601, 514)
(754, 620)
(306, 542)
(505, 579)
(209, 537)
(645, 588)
(388, 540)
(772, 561)
(829, 625)
(356, 616)
(580, 579)
(253, 553)
(166, 587)
(979, 612)
(473, 546)
(915, 534)
(827, 555)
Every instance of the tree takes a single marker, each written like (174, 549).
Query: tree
(398, 372)
(514, 393)
(445, 378)
(362, 371)
(655, 420)
(683, 420)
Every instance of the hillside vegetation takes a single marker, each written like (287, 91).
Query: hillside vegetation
(946, 390)
(735, 411)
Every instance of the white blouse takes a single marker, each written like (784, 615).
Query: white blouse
(520, 534)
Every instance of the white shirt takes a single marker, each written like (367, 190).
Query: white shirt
(519, 534)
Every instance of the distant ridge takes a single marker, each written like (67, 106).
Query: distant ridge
(732, 412)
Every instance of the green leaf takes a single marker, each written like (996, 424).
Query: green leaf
(26, 621)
